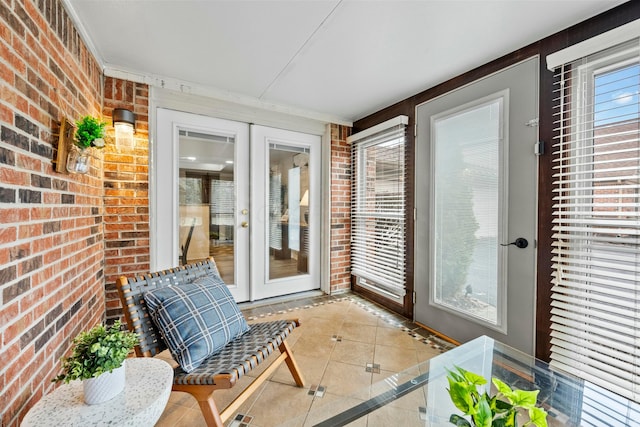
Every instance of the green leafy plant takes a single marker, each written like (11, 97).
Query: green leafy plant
(486, 411)
(89, 132)
(99, 350)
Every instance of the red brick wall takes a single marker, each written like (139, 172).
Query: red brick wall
(126, 192)
(340, 209)
(51, 246)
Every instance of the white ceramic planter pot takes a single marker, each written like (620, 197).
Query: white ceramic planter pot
(105, 387)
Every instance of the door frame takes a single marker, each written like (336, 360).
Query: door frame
(212, 107)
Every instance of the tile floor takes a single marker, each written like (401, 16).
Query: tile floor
(345, 344)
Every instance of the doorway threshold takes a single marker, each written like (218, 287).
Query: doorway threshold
(280, 299)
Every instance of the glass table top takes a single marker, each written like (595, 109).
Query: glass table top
(418, 396)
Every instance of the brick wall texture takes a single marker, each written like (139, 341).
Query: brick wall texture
(65, 238)
(340, 271)
(126, 192)
(51, 224)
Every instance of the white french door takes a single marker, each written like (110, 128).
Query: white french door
(244, 195)
(285, 182)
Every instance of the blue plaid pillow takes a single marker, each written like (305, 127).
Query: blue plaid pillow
(196, 319)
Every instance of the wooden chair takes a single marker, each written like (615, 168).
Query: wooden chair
(221, 371)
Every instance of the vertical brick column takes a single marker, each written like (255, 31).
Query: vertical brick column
(51, 234)
(340, 276)
(126, 191)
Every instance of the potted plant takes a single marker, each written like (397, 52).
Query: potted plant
(501, 410)
(89, 133)
(97, 359)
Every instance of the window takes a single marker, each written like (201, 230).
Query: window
(378, 209)
(468, 172)
(596, 252)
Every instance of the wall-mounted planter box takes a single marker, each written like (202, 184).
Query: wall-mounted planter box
(63, 145)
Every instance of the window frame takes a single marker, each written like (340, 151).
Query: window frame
(370, 265)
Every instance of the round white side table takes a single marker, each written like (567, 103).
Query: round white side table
(146, 392)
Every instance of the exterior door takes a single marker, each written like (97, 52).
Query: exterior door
(475, 196)
(285, 229)
(264, 241)
(201, 195)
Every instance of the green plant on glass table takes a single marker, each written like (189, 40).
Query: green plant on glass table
(500, 410)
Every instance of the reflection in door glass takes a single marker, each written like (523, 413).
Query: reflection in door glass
(288, 211)
(207, 200)
(466, 219)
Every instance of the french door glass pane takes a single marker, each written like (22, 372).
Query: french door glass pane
(207, 200)
(466, 214)
(288, 211)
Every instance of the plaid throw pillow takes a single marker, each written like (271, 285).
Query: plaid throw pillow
(196, 320)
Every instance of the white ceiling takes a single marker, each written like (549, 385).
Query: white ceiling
(337, 60)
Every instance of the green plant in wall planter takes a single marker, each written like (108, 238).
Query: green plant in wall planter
(501, 410)
(98, 357)
(89, 134)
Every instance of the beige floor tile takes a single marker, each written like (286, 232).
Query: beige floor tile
(393, 416)
(319, 346)
(311, 367)
(331, 311)
(358, 332)
(278, 403)
(353, 353)
(321, 326)
(394, 359)
(182, 399)
(426, 352)
(359, 315)
(173, 415)
(395, 337)
(326, 407)
(346, 380)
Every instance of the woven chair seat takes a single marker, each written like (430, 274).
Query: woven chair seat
(223, 369)
(239, 356)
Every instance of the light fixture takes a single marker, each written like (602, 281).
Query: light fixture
(124, 122)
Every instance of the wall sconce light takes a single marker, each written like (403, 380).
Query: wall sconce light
(124, 123)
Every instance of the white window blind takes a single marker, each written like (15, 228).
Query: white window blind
(378, 208)
(596, 250)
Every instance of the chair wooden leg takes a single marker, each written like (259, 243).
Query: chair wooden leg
(210, 412)
(204, 396)
(291, 363)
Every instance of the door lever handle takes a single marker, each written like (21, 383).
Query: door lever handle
(520, 242)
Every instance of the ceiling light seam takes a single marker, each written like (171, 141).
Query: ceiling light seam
(295, 55)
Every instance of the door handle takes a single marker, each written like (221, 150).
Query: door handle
(244, 224)
(520, 242)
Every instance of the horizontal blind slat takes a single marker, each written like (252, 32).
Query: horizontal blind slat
(595, 331)
(378, 208)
